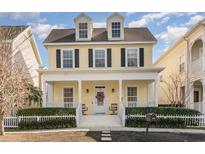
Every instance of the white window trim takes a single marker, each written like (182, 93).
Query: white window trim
(138, 58)
(94, 57)
(73, 95)
(62, 58)
(131, 86)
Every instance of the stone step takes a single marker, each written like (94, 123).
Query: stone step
(105, 135)
(106, 139)
(106, 131)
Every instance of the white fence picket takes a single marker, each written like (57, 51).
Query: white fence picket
(12, 122)
(197, 120)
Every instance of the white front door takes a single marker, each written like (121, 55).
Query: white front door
(100, 103)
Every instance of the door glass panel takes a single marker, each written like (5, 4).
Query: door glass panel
(100, 98)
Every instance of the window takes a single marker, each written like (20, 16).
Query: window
(83, 30)
(68, 97)
(132, 96)
(100, 58)
(196, 96)
(132, 59)
(68, 58)
(115, 29)
(181, 64)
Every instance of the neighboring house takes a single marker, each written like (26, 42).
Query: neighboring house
(24, 49)
(100, 67)
(187, 56)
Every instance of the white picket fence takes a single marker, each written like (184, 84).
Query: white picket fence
(198, 120)
(12, 122)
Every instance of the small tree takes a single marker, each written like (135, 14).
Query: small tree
(35, 95)
(14, 77)
(171, 85)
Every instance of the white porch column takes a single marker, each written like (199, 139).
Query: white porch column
(50, 102)
(79, 92)
(191, 102)
(120, 91)
(151, 101)
(156, 92)
(44, 94)
(203, 55)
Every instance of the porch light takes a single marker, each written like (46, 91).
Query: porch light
(113, 90)
(87, 90)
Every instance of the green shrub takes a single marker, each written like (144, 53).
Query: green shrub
(161, 111)
(170, 105)
(64, 122)
(160, 123)
(46, 111)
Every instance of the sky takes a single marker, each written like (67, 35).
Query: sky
(166, 27)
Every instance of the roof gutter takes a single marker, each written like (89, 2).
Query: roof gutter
(100, 43)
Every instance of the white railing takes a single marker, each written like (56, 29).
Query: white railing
(13, 122)
(78, 114)
(198, 120)
(121, 113)
(196, 65)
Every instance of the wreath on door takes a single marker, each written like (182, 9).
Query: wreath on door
(100, 96)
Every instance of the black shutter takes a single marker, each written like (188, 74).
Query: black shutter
(76, 57)
(141, 57)
(58, 58)
(122, 57)
(90, 57)
(109, 57)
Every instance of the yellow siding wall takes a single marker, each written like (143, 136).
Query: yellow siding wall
(170, 61)
(110, 97)
(116, 54)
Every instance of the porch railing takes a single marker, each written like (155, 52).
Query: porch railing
(196, 65)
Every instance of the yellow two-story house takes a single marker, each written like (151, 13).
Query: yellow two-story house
(186, 58)
(99, 68)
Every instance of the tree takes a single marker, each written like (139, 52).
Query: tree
(35, 95)
(171, 86)
(14, 77)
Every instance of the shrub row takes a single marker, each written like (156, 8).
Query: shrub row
(46, 111)
(48, 124)
(160, 123)
(161, 111)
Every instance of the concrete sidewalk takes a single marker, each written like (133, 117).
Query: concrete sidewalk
(169, 130)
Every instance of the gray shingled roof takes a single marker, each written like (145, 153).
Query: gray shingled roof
(10, 32)
(100, 35)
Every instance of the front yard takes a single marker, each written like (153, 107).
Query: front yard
(93, 136)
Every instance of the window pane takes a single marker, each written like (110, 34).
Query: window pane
(99, 58)
(132, 57)
(67, 59)
(83, 30)
(116, 29)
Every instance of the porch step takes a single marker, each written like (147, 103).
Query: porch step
(106, 136)
(91, 121)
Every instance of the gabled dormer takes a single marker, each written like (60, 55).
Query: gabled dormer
(115, 27)
(83, 27)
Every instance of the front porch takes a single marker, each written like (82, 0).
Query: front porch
(100, 97)
(100, 91)
(197, 96)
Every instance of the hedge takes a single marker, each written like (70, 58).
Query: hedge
(161, 111)
(49, 124)
(46, 111)
(160, 122)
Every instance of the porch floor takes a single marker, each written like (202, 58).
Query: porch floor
(90, 121)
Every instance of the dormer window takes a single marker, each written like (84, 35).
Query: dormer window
(116, 29)
(83, 30)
